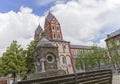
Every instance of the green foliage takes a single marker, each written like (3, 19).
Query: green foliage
(91, 59)
(113, 50)
(16, 61)
(29, 56)
(13, 61)
(0, 67)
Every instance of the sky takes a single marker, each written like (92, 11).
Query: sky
(83, 22)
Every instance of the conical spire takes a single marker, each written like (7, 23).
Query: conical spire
(38, 32)
(49, 16)
(39, 29)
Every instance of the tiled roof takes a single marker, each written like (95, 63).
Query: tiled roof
(38, 30)
(81, 47)
(113, 34)
(49, 16)
(57, 40)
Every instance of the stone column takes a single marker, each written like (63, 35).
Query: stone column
(43, 65)
(57, 59)
(35, 67)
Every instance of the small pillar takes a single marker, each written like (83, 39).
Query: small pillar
(35, 67)
(57, 59)
(43, 65)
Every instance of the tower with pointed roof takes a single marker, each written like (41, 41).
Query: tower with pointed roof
(52, 30)
(52, 27)
(67, 53)
(38, 32)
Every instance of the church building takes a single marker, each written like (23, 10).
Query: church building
(66, 52)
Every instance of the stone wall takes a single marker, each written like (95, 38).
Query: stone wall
(49, 73)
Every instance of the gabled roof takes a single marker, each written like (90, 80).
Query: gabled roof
(38, 30)
(49, 16)
(80, 47)
(113, 34)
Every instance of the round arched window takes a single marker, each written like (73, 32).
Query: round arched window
(50, 58)
(38, 60)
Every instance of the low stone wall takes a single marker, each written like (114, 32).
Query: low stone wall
(45, 74)
(93, 77)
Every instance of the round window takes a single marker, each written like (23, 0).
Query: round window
(50, 58)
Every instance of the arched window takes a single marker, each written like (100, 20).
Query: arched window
(63, 60)
(53, 27)
(54, 35)
(64, 48)
(37, 60)
(58, 35)
(68, 60)
(57, 28)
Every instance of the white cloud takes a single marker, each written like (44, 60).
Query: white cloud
(18, 26)
(102, 43)
(112, 3)
(81, 21)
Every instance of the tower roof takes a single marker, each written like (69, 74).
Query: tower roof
(44, 41)
(49, 16)
(39, 29)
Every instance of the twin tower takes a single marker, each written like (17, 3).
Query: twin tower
(52, 52)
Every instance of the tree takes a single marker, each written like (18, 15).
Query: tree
(29, 56)
(13, 61)
(80, 62)
(0, 67)
(94, 58)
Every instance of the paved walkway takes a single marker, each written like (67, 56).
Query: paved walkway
(116, 79)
